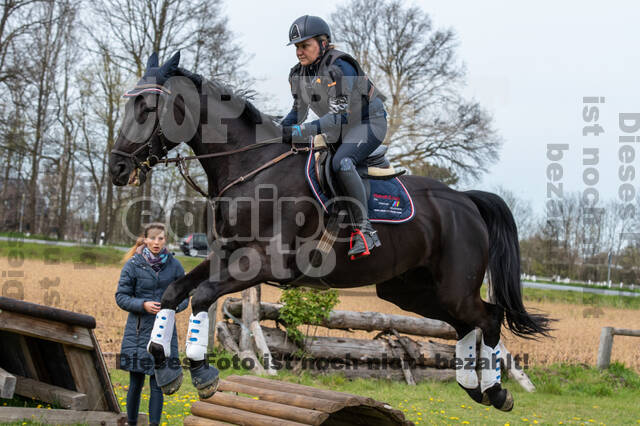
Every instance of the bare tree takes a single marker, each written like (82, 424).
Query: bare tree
(42, 65)
(416, 66)
(521, 210)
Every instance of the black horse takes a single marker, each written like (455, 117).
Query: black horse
(433, 265)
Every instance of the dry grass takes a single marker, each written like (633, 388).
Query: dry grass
(91, 291)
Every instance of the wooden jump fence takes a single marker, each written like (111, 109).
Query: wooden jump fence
(606, 343)
(53, 356)
(409, 359)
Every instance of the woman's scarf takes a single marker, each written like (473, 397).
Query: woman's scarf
(155, 261)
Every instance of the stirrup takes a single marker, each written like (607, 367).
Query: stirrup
(373, 241)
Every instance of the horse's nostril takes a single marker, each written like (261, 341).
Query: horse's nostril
(121, 168)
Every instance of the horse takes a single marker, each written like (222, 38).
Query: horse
(433, 265)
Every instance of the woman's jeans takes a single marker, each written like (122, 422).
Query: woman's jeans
(136, 382)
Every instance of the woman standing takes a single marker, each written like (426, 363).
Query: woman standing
(148, 271)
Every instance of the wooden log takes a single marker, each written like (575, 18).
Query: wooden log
(515, 372)
(201, 421)
(273, 409)
(257, 365)
(52, 394)
(213, 316)
(626, 332)
(236, 416)
(432, 354)
(61, 416)
(344, 398)
(48, 313)
(296, 400)
(45, 329)
(604, 349)
(263, 348)
(250, 310)
(226, 339)
(421, 374)
(368, 321)
(398, 352)
(7, 384)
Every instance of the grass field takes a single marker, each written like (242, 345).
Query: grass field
(567, 394)
(568, 390)
(80, 256)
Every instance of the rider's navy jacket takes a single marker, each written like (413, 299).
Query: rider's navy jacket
(346, 84)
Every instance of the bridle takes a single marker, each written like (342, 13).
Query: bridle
(181, 162)
(151, 159)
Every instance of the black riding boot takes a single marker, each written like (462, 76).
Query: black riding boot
(364, 237)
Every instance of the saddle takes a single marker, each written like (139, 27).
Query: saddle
(377, 166)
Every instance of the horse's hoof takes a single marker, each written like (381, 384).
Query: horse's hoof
(508, 402)
(209, 390)
(169, 379)
(205, 379)
(486, 400)
(173, 386)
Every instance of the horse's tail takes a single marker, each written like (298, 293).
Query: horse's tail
(504, 265)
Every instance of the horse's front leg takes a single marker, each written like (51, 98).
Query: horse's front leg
(168, 372)
(204, 376)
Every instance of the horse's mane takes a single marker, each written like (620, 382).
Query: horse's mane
(212, 86)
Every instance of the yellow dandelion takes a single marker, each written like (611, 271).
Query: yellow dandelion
(524, 419)
(186, 405)
(441, 411)
(535, 421)
(453, 418)
(464, 422)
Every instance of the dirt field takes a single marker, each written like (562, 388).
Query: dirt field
(91, 291)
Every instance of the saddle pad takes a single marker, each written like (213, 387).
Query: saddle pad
(389, 201)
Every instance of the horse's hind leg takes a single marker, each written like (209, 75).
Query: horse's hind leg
(459, 293)
(415, 291)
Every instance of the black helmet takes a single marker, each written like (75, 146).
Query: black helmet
(306, 27)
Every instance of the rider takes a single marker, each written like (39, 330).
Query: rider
(351, 112)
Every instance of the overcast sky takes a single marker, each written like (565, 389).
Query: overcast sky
(529, 64)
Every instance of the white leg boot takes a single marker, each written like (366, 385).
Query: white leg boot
(198, 336)
(490, 365)
(466, 352)
(163, 330)
(203, 376)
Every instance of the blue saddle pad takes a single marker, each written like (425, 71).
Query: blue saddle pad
(389, 201)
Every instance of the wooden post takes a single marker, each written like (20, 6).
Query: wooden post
(604, 350)
(7, 384)
(213, 312)
(516, 373)
(250, 314)
(226, 339)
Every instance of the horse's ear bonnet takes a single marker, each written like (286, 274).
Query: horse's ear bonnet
(155, 74)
